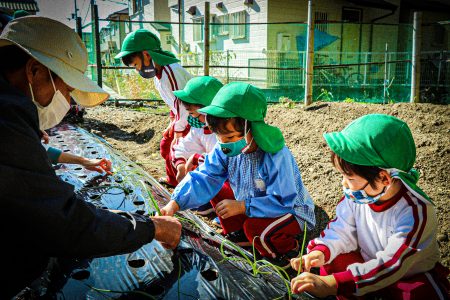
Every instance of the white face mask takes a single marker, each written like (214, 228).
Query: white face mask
(52, 114)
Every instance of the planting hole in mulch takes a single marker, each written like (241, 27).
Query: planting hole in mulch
(136, 263)
(80, 274)
(155, 290)
(210, 274)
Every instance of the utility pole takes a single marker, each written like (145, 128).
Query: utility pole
(415, 63)
(310, 55)
(206, 41)
(96, 39)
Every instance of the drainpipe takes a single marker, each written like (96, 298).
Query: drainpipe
(371, 26)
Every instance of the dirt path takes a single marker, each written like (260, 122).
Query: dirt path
(137, 134)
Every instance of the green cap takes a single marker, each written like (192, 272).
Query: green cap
(238, 99)
(382, 141)
(199, 90)
(141, 40)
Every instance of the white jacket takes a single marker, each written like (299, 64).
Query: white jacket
(174, 77)
(396, 239)
(198, 141)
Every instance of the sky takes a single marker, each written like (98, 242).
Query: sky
(62, 10)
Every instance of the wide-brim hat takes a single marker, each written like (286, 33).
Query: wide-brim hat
(239, 99)
(199, 90)
(144, 40)
(60, 49)
(381, 141)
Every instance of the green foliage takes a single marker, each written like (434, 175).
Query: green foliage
(130, 84)
(287, 102)
(349, 100)
(325, 95)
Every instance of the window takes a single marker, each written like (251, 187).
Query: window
(321, 21)
(222, 26)
(352, 15)
(238, 30)
(197, 29)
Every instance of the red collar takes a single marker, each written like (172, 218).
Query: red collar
(385, 205)
(206, 130)
(159, 74)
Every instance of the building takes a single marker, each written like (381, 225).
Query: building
(112, 35)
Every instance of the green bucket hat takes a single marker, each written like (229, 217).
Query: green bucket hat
(238, 99)
(382, 141)
(59, 49)
(141, 40)
(199, 90)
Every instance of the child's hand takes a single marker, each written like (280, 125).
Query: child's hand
(45, 138)
(228, 208)
(170, 209)
(191, 163)
(312, 259)
(181, 172)
(319, 286)
(99, 165)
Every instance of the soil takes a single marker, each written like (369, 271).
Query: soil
(138, 133)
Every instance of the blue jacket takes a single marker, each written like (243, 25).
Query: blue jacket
(270, 184)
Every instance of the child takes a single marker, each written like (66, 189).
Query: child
(197, 94)
(272, 202)
(382, 242)
(141, 49)
(190, 151)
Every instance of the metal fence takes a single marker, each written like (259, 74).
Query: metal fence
(352, 62)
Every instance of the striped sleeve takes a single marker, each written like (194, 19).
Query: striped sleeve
(340, 234)
(410, 243)
(181, 114)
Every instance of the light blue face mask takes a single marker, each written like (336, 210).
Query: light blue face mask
(235, 148)
(361, 197)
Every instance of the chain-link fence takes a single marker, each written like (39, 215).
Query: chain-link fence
(352, 62)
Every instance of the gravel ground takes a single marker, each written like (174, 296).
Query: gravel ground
(138, 133)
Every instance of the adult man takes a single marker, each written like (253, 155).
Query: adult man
(42, 63)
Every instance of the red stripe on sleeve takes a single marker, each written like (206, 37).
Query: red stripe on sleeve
(407, 245)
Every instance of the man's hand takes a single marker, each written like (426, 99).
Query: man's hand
(99, 165)
(181, 172)
(170, 209)
(312, 259)
(228, 208)
(319, 286)
(167, 231)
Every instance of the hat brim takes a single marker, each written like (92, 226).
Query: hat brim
(85, 93)
(268, 138)
(217, 111)
(185, 97)
(123, 53)
(344, 148)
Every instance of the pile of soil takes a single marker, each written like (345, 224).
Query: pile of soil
(138, 133)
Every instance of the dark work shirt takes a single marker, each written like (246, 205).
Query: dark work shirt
(41, 216)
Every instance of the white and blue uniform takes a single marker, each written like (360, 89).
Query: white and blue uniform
(270, 184)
